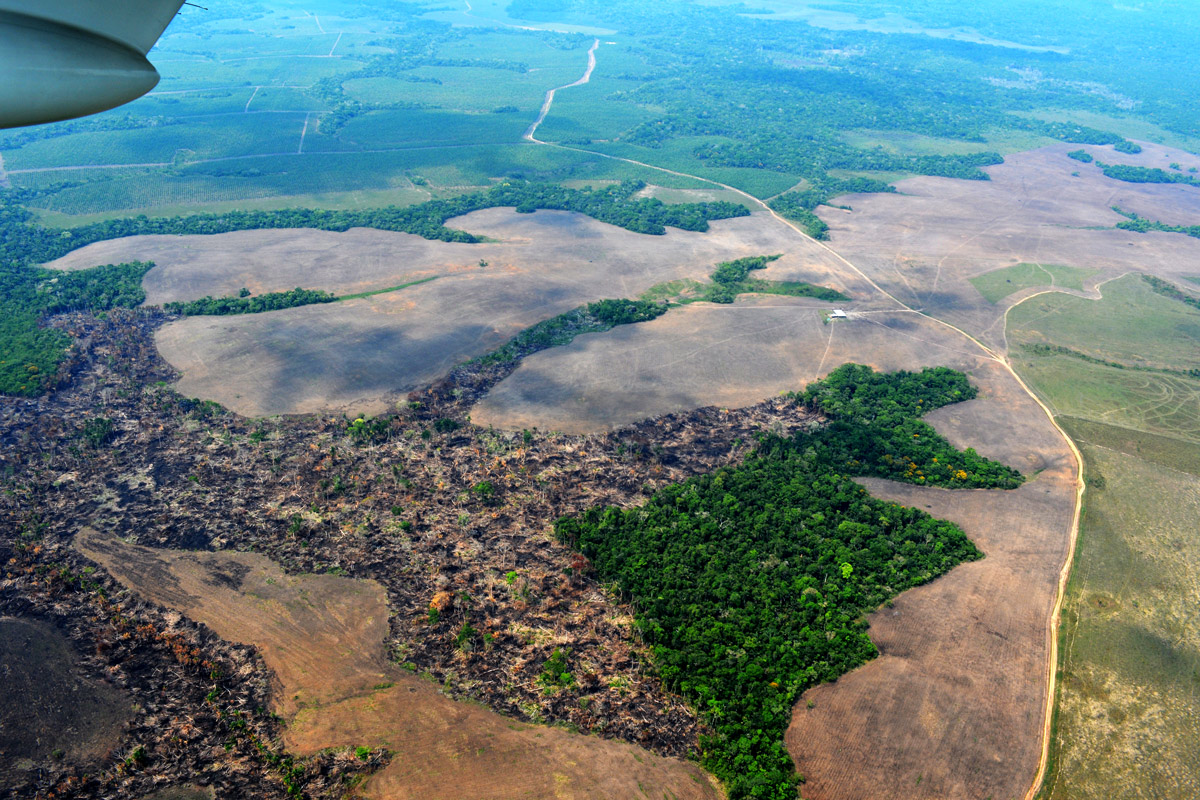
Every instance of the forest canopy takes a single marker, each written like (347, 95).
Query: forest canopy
(751, 583)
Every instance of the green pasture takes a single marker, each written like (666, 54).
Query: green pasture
(1127, 719)
(251, 70)
(1000, 283)
(417, 127)
(1131, 324)
(677, 155)
(471, 89)
(586, 112)
(221, 136)
(322, 180)
(1163, 404)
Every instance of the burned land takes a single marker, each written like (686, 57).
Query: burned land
(479, 596)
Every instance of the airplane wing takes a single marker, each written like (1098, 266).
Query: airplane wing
(62, 59)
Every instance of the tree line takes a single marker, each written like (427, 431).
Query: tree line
(30, 354)
(271, 301)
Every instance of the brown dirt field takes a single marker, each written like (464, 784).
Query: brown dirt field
(924, 243)
(958, 696)
(356, 355)
(323, 637)
(706, 354)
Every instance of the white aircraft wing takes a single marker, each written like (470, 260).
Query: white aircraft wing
(61, 59)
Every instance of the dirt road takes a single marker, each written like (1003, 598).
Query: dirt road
(587, 76)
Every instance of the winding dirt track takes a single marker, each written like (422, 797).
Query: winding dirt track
(1053, 622)
(549, 101)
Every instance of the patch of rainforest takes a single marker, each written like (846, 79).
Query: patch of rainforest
(751, 584)
(30, 353)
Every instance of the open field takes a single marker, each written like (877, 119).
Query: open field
(1127, 710)
(355, 354)
(1129, 713)
(1131, 324)
(48, 708)
(874, 732)
(926, 243)
(323, 637)
(1000, 283)
(1161, 404)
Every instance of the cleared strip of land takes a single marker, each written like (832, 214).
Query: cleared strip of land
(323, 637)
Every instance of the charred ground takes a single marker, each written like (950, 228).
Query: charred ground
(449, 517)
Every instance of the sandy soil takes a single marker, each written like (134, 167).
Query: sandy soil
(356, 354)
(924, 243)
(323, 637)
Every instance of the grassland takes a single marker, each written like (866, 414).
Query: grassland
(1132, 325)
(1128, 711)
(1000, 283)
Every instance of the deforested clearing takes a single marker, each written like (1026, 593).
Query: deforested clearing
(905, 715)
(357, 354)
(926, 242)
(323, 637)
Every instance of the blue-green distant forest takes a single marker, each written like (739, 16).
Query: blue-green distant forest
(337, 113)
(339, 104)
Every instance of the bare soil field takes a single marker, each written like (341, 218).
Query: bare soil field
(706, 354)
(924, 243)
(356, 354)
(965, 659)
(323, 638)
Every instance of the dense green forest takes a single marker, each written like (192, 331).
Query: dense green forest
(875, 428)
(1121, 172)
(272, 301)
(1139, 224)
(596, 317)
(732, 278)
(25, 242)
(751, 583)
(30, 354)
(798, 205)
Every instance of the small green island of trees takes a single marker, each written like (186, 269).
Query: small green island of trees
(751, 583)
